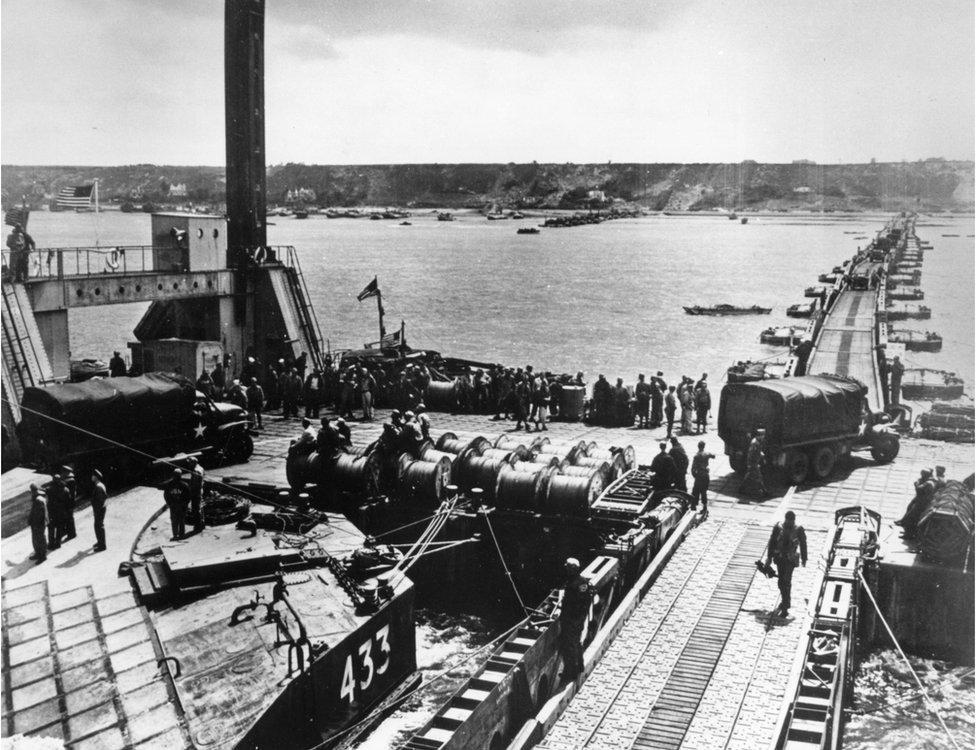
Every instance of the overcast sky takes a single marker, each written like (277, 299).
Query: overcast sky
(363, 81)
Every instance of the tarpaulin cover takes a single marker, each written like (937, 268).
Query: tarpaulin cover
(122, 409)
(791, 410)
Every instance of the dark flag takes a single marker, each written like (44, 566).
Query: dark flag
(372, 289)
(16, 215)
(391, 339)
(79, 196)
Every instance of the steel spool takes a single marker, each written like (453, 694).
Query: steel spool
(441, 396)
(521, 489)
(570, 454)
(533, 467)
(443, 439)
(359, 450)
(564, 446)
(630, 457)
(539, 444)
(547, 459)
(588, 471)
(481, 472)
(429, 453)
(516, 453)
(357, 473)
(423, 481)
(509, 442)
(573, 495)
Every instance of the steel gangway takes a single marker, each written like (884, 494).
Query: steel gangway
(25, 361)
(296, 303)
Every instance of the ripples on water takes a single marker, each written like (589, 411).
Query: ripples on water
(604, 298)
(890, 713)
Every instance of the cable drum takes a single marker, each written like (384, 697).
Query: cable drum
(569, 454)
(573, 495)
(360, 450)
(533, 467)
(423, 481)
(449, 442)
(482, 472)
(429, 453)
(548, 459)
(517, 453)
(607, 454)
(441, 396)
(616, 463)
(521, 489)
(354, 473)
(602, 469)
(511, 442)
(564, 446)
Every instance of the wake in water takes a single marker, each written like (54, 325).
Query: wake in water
(890, 712)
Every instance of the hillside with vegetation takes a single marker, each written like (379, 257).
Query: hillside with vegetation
(929, 185)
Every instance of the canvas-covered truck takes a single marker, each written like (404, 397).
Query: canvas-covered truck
(811, 422)
(122, 424)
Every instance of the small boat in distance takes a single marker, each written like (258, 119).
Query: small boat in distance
(916, 341)
(728, 310)
(527, 230)
(445, 216)
(744, 220)
(800, 310)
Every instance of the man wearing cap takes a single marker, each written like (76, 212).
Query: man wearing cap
(423, 421)
(939, 478)
(670, 408)
(680, 459)
(367, 387)
(642, 392)
(175, 495)
(753, 483)
(699, 471)
(98, 497)
(663, 469)
(787, 547)
(71, 498)
(574, 608)
(57, 507)
(196, 493)
(255, 402)
(37, 520)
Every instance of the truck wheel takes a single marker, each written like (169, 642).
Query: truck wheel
(824, 460)
(797, 466)
(885, 449)
(240, 446)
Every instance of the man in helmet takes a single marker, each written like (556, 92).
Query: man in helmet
(787, 548)
(175, 494)
(98, 497)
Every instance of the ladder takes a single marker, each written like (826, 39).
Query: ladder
(25, 361)
(303, 306)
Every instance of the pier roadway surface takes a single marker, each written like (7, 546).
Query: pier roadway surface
(701, 663)
(846, 343)
(79, 664)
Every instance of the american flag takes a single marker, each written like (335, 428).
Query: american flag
(75, 196)
(16, 215)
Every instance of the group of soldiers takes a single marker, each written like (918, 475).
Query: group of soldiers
(51, 517)
(670, 468)
(653, 403)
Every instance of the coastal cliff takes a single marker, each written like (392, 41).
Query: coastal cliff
(930, 185)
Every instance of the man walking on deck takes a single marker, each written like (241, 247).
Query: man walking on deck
(574, 608)
(754, 484)
(255, 402)
(703, 405)
(98, 497)
(642, 392)
(895, 376)
(657, 403)
(787, 547)
(699, 472)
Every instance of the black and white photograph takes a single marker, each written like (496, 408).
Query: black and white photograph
(441, 375)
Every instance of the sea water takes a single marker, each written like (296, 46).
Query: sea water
(601, 298)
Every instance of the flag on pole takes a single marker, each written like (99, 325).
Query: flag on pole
(79, 196)
(372, 289)
(16, 215)
(391, 339)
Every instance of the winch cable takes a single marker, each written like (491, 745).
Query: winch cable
(173, 464)
(508, 573)
(925, 693)
(420, 546)
(404, 526)
(440, 675)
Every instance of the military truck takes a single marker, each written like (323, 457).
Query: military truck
(122, 425)
(811, 422)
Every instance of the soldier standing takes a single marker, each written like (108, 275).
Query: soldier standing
(116, 366)
(657, 403)
(255, 402)
(71, 497)
(663, 468)
(680, 459)
(703, 405)
(98, 498)
(787, 547)
(37, 519)
(897, 371)
(574, 608)
(57, 511)
(642, 392)
(699, 471)
(670, 408)
(175, 495)
(753, 484)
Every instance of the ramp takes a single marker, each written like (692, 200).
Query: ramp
(700, 661)
(297, 315)
(25, 361)
(846, 344)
